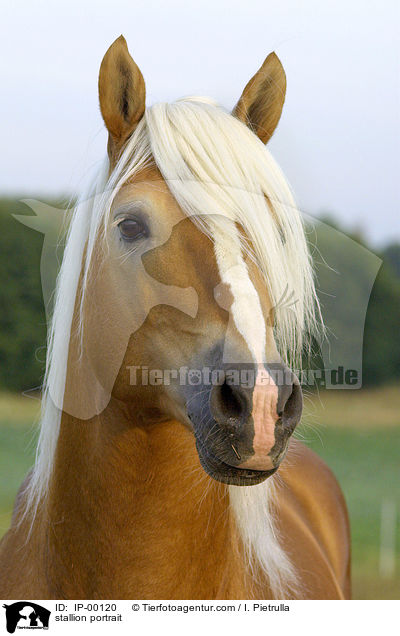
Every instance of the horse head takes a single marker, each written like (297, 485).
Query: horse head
(186, 266)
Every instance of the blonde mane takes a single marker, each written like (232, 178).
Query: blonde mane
(221, 175)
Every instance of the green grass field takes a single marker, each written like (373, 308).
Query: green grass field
(357, 433)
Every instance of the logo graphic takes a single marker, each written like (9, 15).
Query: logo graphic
(26, 615)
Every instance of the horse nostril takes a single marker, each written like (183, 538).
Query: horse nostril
(291, 410)
(231, 400)
(229, 403)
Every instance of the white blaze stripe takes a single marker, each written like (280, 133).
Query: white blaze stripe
(249, 320)
(246, 307)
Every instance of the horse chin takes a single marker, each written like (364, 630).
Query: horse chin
(227, 474)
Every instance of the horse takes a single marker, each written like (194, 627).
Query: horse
(184, 300)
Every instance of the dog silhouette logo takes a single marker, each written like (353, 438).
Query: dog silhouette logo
(26, 615)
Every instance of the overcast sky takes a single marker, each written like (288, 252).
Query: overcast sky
(338, 141)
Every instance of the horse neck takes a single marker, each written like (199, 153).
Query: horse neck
(132, 514)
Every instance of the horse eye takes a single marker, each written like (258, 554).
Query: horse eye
(132, 229)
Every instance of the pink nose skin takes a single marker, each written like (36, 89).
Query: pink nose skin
(264, 414)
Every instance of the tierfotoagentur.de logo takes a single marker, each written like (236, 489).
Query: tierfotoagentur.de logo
(26, 615)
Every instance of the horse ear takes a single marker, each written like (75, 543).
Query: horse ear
(261, 103)
(122, 95)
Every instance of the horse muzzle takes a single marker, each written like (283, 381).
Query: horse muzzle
(242, 433)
